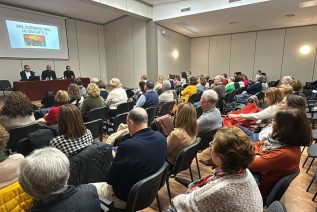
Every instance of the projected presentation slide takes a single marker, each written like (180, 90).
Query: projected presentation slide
(24, 35)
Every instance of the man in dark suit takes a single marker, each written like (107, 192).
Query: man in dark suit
(137, 158)
(48, 74)
(27, 73)
(69, 73)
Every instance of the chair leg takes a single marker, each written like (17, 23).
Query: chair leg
(158, 203)
(310, 164)
(198, 167)
(303, 150)
(191, 174)
(305, 161)
(168, 190)
(311, 182)
(315, 196)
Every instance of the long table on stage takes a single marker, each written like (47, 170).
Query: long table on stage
(36, 90)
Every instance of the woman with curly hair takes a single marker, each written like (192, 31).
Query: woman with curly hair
(17, 111)
(94, 100)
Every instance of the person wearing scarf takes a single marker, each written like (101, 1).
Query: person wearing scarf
(231, 186)
(280, 154)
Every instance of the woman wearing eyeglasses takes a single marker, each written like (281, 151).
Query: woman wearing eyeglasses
(231, 186)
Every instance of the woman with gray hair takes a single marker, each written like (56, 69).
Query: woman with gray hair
(44, 175)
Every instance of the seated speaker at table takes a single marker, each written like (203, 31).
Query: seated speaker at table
(27, 73)
(68, 73)
(48, 74)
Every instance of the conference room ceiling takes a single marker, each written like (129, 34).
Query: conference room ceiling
(266, 15)
(156, 2)
(83, 10)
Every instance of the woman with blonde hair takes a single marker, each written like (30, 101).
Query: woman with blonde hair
(273, 97)
(286, 89)
(73, 134)
(159, 84)
(185, 131)
(94, 100)
(61, 98)
(117, 96)
(74, 95)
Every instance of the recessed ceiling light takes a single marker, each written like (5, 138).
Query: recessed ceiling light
(290, 15)
(308, 4)
(233, 22)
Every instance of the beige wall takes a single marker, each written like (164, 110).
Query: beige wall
(167, 43)
(275, 52)
(86, 54)
(125, 44)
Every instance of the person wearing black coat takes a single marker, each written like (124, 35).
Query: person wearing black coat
(48, 74)
(69, 74)
(26, 73)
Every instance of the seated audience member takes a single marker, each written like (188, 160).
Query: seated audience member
(102, 86)
(201, 86)
(280, 155)
(61, 98)
(73, 134)
(245, 80)
(9, 164)
(94, 100)
(219, 86)
(44, 175)
(136, 158)
(286, 89)
(139, 91)
(144, 78)
(68, 73)
(117, 96)
(149, 98)
(230, 85)
(184, 79)
(256, 86)
(225, 81)
(158, 84)
(168, 95)
(81, 87)
(17, 111)
(177, 81)
(74, 95)
(27, 73)
(231, 186)
(184, 133)
(272, 98)
(171, 78)
(48, 74)
(286, 80)
(239, 79)
(190, 89)
(211, 117)
(297, 87)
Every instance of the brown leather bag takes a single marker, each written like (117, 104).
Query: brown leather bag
(164, 124)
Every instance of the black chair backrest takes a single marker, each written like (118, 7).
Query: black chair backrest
(130, 93)
(185, 157)
(206, 138)
(192, 99)
(96, 128)
(151, 111)
(119, 119)
(165, 108)
(144, 192)
(123, 108)
(98, 113)
(19, 133)
(4, 85)
(280, 188)
(35, 140)
(276, 206)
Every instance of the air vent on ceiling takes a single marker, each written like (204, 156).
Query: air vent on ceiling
(231, 1)
(186, 9)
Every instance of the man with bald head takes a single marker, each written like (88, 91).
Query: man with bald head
(137, 157)
(48, 74)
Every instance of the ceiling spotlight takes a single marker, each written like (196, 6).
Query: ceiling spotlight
(290, 15)
(304, 50)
